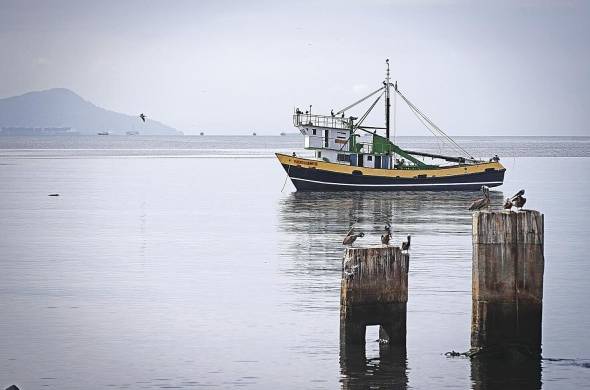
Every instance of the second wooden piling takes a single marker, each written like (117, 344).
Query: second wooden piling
(507, 284)
(374, 291)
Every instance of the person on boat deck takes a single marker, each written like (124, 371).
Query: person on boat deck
(342, 115)
(298, 111)
(332, 112)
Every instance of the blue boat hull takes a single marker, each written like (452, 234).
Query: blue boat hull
(305, 179)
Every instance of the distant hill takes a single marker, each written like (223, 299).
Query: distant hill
(60, 107)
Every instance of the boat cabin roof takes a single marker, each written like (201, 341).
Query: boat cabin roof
(333, 122)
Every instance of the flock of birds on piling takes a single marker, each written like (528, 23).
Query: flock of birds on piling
(517, 200)
(351, 237)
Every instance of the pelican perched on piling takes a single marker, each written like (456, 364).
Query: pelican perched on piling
(481, 203)
(519, 193)
(387, 236)
(517, 200)
(351, 237)
(406, 244)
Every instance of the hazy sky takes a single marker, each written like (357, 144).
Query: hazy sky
(490, 67)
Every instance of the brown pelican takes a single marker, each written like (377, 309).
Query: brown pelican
(519, 201)
(387, 236)
(351, 237)
(142, 116)
(481, 203)
(519, 193)
(406, 244)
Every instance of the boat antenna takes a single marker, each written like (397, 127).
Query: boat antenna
(387, 103)
(393, 157)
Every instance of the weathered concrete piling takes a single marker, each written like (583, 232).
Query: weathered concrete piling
(507, 282)
(374, 291)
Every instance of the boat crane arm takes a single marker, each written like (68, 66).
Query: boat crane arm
(359, 101)
(460, 160)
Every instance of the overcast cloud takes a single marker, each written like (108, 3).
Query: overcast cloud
(476, 68)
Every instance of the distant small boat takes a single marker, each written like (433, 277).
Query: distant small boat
(201, 133)
(103, 133)
(132, 132)
(283, 134)
(254, 134)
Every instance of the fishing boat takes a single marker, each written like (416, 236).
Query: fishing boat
(345, 161)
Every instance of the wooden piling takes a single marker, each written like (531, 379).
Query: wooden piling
(507, 282)
(374, 291)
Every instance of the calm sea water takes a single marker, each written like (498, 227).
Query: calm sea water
(181, 262)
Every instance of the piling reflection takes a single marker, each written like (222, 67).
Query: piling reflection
(509, 372)
(389, 370)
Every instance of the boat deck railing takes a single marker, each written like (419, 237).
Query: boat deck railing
(321, 121)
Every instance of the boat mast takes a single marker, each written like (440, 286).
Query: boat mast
(387, 104)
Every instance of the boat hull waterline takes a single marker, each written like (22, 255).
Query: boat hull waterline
(315, 175)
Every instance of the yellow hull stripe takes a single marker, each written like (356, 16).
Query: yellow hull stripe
(402, 173)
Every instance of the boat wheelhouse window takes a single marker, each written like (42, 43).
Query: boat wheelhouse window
(318, 154)
(343, 157)
(369, 158)
(313, 131)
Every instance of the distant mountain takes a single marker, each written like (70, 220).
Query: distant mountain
(60, 107)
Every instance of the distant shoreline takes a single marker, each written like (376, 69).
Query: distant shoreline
(75, 134)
